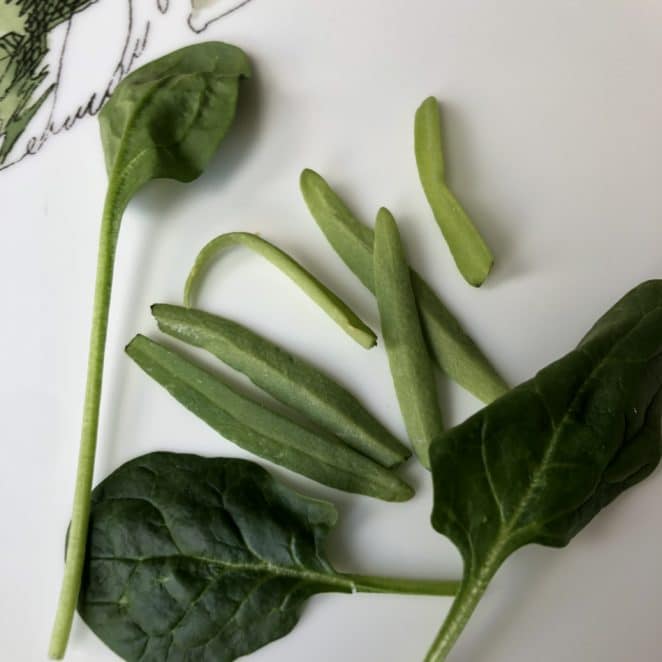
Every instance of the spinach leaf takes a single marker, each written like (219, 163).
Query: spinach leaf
(469, 250)
(329, 302)
(451, 347)
(287, 378)
(409, 360)
(166, 119)
(539, 463)
(263, 431)
(193, 558)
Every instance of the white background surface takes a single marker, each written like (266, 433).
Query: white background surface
(552, 125)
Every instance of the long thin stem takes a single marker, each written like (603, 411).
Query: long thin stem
(81, 507)
(369, 584)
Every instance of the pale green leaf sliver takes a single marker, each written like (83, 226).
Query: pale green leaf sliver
(262, 431)
(409, 360)
(470, 252)
(331, 304)
(451, 347)
(286, 377)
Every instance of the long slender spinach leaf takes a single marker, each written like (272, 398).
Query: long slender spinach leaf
(329, 302)
(287, 378)
(452, 348)
(408, 356)
(262, 431)
(469, 250)
(166, 119)
(205, 559)
(537, 465)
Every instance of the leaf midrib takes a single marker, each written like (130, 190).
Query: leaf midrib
(336, 581)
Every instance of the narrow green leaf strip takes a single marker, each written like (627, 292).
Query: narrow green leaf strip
(261, 431)
(451, 347)
(331, 304)
(285, 377)
(469, 250)
(411, 366)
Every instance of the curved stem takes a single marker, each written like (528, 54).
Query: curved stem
(463, 607)
(81, 506)
(395, 585)
(329, 302)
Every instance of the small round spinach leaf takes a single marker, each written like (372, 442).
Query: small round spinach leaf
(166, 119)
(199, 558)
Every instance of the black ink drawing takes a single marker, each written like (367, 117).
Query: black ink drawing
(206, 12)
(35, 37)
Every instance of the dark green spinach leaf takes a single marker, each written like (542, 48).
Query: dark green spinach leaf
(193, 558)
(168, 117)
(539, 463)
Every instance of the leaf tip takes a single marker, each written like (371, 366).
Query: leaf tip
(308, 177)
(429, 104)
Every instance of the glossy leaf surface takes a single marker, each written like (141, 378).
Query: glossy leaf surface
(207, 559)
(168, 117)
(539, 463)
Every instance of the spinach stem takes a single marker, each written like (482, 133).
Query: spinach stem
(394, 585)
(460, 612)
(75, 556)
